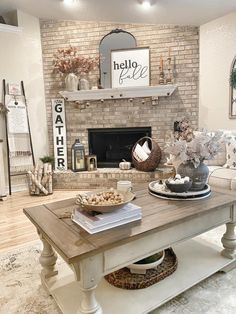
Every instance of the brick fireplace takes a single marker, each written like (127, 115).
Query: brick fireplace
(125, 113)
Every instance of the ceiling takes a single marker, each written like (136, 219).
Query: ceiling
(183, 12)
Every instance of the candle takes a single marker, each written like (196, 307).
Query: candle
(161, 63)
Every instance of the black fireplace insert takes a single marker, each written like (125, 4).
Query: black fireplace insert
(111, 145)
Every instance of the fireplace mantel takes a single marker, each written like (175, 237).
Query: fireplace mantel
(119, 93)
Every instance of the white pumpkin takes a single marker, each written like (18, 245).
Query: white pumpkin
(125, 165)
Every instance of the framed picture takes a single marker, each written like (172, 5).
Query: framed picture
(130, 67)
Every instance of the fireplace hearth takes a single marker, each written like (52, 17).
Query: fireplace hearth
(111, 145)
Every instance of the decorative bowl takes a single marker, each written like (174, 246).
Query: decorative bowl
(141, 266)
(128, 197)
(179, 187)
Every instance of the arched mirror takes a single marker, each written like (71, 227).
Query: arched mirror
(116, 39)
(232, 104)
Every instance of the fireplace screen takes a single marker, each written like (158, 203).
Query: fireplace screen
(114, 144)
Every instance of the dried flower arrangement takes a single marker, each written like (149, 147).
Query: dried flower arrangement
(70, 61)
(183, 130)
(193, 146)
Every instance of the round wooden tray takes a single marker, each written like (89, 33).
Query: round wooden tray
(161, 191)
(124, 279)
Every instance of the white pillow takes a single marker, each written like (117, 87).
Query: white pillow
(136, 156)
(139, 153)
(220, 157)
(231, 153)
(146, 148)
(227, 133)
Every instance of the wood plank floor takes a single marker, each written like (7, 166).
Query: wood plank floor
(15, 228)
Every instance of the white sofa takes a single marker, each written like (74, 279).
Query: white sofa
(222, 169)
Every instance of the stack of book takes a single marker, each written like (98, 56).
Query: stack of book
(96, 222)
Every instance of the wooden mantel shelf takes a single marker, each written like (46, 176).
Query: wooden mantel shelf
(119, 93)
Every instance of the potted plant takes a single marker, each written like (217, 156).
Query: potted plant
(47, 159)
(69, 62)
(189, 150)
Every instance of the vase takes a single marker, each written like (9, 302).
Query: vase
(71, 81)
(198, 175)
(84, 83)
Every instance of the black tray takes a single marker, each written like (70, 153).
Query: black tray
(161, 191)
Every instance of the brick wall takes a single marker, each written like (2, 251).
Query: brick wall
(183, 41)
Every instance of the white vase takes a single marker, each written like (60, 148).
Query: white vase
(71, 81)
(83, 83)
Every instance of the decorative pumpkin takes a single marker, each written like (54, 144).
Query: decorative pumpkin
(124, 165)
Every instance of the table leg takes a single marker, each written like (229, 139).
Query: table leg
(89, 272)
(47, 259)
(229, 241)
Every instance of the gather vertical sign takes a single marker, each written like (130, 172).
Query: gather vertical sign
(130, 67)
(59, 134)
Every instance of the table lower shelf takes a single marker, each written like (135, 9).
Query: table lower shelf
(197, 260)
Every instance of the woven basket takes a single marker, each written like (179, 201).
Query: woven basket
(153, 159)
(124, 279)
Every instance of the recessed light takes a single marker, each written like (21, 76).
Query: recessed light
(70, 1)
(146, 4)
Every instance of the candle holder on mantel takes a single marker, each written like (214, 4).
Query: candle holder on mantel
(91, 162)
(162, 75)
(169, 77)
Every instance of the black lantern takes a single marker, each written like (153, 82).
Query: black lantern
(78, 156)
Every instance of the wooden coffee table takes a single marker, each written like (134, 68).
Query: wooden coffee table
(78, 285)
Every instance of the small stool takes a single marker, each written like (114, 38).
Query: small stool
(91, 162)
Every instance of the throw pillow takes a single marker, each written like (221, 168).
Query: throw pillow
(228, 133)
(146, 148)
(231, 153)
(139, 153)
(220, 157)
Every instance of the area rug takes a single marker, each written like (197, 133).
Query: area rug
(21, 291)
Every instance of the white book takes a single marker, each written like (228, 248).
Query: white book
(100, 219)
(90, 226)
(107, 226)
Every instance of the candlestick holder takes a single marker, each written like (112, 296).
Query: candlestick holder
(162, 76)
(169, 76)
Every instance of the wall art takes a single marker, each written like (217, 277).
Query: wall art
(130, 67)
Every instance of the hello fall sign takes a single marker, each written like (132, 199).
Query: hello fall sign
(130, 67)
